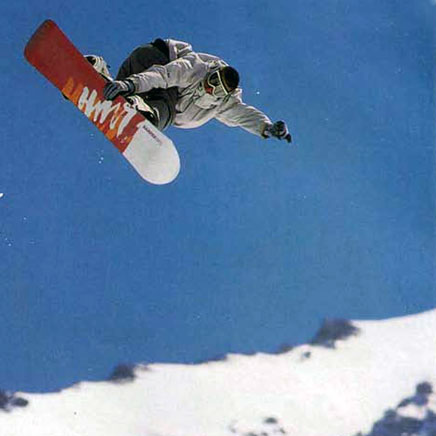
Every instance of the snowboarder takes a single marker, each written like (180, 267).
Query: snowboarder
(170, 84)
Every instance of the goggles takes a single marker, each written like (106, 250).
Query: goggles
(215, 83)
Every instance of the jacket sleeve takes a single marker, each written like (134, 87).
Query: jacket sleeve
(178, 49)
(180, 72)
(238, 114)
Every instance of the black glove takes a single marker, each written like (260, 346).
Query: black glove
(278, 130)
(118, 87)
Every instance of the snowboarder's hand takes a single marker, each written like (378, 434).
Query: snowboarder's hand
(278, 130)
(118, 87)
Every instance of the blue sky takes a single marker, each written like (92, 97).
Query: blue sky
(256, 241)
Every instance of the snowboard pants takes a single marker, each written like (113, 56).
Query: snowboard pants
(163, 101)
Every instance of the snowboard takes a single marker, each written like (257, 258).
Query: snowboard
(149, 151)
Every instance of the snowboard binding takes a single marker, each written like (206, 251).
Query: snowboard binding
(145, 109)
(100, 66)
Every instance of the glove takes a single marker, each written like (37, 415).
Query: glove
(278, 130)
(118, 87)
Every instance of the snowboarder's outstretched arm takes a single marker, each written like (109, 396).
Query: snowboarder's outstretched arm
(238, 114)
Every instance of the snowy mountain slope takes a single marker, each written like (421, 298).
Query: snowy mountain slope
(341, 384)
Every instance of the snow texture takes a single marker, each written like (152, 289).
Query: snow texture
(360, 378)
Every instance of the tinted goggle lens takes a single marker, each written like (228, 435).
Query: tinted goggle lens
(214, 80)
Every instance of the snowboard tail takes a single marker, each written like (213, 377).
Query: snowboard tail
(150, 152)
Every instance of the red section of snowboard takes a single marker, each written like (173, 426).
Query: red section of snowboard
(53, 54)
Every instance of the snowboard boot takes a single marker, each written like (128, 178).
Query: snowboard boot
(99, 65)
(145, 109)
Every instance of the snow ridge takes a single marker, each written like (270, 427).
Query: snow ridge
(360, 378)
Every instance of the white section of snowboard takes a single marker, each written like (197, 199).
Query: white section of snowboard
(153, 155)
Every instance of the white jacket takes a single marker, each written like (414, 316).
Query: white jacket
(187, 71)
